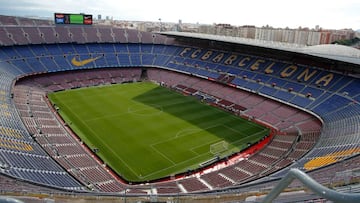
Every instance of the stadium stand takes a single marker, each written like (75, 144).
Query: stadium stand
(260, 160)
(314, 111)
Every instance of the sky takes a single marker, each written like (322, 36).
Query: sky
(328, 14)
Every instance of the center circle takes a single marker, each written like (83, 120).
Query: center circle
(145, 110)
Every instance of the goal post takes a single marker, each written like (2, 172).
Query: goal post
(219, 147)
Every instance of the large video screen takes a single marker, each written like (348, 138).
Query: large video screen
(77, 19)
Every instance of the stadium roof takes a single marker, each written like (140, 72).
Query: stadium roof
(328, 51)
(334, 51)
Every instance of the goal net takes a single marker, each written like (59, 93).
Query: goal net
(219, 147)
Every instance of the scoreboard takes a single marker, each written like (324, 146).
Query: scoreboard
(76, 19)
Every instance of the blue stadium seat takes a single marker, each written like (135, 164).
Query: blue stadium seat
(62, 63)
(161, 60)
(111, 60)
(23, 66)
(54, 49)
(95, 48)
(108, 48)
(296, 87)
(135, 59)
(263, 78)
(50, 63)
(147, 59)
(121, 48)
(234, 71)
(301, 101)
(252, 85)
(222, 68)
(39, 50)
(66, 49)
(284, 95)
(81, 49)
(124, 59)
(146, 48)
(333, 103)
(352, 88)
(36, 65)
(24, 51)
(160, 50)
(267, 90)
(100, 62)
(133, 48)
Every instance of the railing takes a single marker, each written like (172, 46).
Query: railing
(314, 186)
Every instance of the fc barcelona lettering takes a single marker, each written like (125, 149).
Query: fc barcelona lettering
(267, 66)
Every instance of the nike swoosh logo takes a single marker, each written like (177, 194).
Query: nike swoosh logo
(76, 62)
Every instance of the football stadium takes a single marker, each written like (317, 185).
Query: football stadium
(92, 113)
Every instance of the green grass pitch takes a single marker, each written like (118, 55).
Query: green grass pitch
(145, 132)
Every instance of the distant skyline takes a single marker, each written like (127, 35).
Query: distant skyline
(275, 13)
